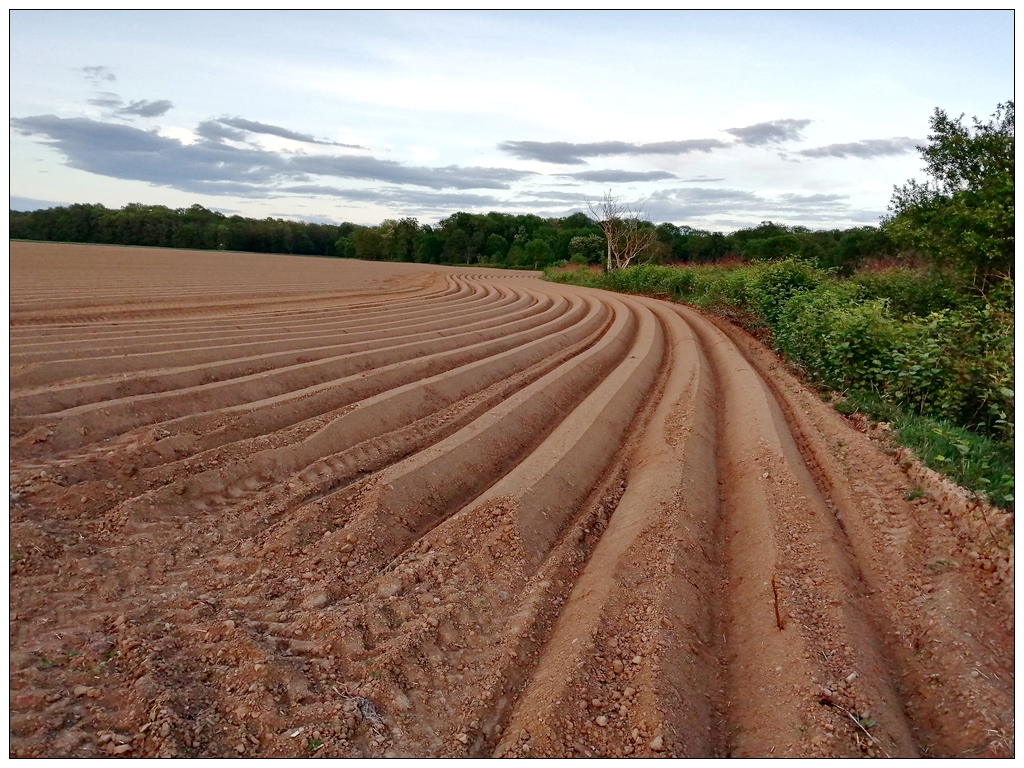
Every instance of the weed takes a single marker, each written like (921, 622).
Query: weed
(312, 745)
(914, 493)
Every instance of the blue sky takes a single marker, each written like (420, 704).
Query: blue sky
(718, 120)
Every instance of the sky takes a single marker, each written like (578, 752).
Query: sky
(716, 120)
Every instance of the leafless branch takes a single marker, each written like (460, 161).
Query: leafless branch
(626, 237)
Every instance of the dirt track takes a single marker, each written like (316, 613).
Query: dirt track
(276, 506)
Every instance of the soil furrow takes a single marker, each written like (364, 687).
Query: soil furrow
(271, 338)
(128, 375)
(273, 506)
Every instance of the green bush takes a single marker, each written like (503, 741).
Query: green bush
(914, 291)
(842, 342)
(774, 284)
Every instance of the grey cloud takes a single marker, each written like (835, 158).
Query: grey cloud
(700, 179)
(144, 108)
(548, 196)
(106, 100)
(771, 132)
(696, 203)
(566, 153)
(275, 130)
(865, 149)
(451, 176)
(126, 152)
(214, 130)
(140, 108)
(794, 198)
(613, 176)
(99, 74)
(33, 204)
(311, 218)
(397, 195)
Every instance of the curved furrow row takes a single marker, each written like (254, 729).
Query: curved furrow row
(282, 419)
(269, 327)
(465, 513)
(97, 420)
(368, 420)
(42, 337)
(148, 372)
(278, 327)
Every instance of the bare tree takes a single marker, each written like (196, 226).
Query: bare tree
(625, 235)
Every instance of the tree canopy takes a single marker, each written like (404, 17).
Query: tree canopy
(962, 215)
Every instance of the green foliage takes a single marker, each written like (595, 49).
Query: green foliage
(496, 246)
(345, 248)
(963, 215)
(841, 249)
(539, 253)
(588, 249)
(158, 226)
(912, 291)
(774, 284)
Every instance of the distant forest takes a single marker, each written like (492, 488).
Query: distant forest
(493, 239)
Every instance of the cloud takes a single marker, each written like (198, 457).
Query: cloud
(772, 132)
(865, 149)
(33, 204)
(688, 204)
(99, 74)
(566, 153)
(214, 130)
(140, 108)
(106, 100)
(549, 196)
(700, 179)
(144, 108)
(275, 130)
(442, 201)
(211, 167)
(613, 176)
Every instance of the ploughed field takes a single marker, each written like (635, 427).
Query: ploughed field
(282, 506)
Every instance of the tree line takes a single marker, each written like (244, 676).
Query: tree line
(492, 239)
(161, 227)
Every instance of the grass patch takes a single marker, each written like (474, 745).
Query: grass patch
(974, 461)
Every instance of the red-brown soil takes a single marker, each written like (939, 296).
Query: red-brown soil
(281, 506)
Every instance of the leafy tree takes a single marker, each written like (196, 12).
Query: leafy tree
(400, 238)
(539, 253)
(345, 248)
(962, 215)
(588, 248)
(369, 244)
(496, 246)
(457, 247)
